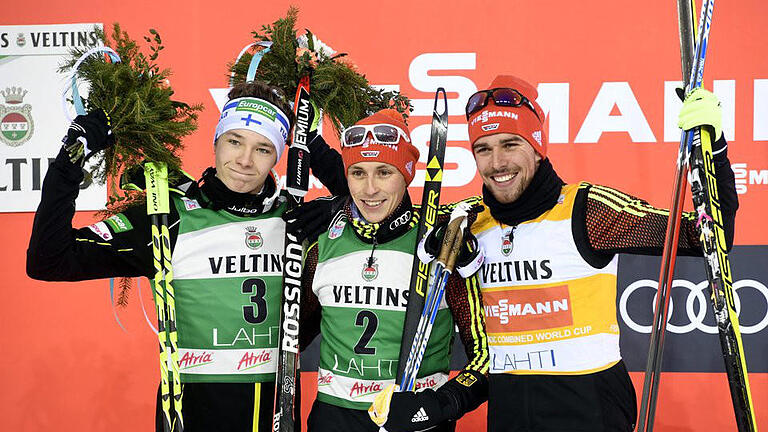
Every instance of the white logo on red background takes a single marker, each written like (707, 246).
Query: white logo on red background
(490, 127)
(487, 115)
(409, 167)
(528, 309)
(537, 136)
(746, 177)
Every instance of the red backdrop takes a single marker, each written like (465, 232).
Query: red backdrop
(66, 365)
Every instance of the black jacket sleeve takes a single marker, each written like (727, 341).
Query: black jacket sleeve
(311, 311)
(467, 390)
(327, 166)
(58, 252)
(607, 221)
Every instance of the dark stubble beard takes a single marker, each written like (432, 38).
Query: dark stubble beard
(521, 186)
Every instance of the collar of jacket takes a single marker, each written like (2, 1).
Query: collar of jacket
(396, 224)
(217, 196)
(540, 196)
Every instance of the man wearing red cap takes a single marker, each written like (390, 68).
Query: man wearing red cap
(357, 273)
(549, 277)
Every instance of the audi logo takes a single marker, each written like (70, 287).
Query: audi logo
(404, 218)
(697, 298)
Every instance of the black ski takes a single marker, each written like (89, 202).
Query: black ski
(687, 23)
(706, 203)
(297, 184)
(696, 149)
(430, 201)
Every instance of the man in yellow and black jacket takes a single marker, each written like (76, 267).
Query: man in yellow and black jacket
(549, 277)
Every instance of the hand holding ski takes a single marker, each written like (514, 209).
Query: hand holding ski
(442, 269)
(696, 152)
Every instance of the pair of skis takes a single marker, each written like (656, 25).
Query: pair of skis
(419, 316)
(297, 184)
(443, 267)
(158, 208)
(696, 152)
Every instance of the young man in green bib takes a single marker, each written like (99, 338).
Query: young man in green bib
(356, 281)
(227, 241)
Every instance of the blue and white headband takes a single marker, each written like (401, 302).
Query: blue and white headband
(255, 115)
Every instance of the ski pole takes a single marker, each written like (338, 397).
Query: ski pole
(656, 349)
(413, 362)
(446, 260)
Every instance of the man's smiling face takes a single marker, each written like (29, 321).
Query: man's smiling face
(506, 163)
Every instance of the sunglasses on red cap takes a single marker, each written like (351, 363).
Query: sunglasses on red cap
(382, 134)
(506, 97)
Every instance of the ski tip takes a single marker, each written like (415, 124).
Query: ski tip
(438, 92)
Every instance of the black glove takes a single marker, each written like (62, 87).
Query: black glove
(310, 219)
(429, 246)
(88, 134)
(471, 254)
(417, 411)
(410, 411)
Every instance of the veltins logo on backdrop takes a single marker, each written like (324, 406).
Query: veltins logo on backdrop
(16, 124)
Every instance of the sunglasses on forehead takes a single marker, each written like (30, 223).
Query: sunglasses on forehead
(382, 134)
(506, 97)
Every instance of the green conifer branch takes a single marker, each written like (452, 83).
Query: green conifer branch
(148, 124)
(344, 95)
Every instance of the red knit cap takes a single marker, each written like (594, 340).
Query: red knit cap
(402, 155)
(520, 120)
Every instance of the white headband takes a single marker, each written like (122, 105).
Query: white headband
(255, 115)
